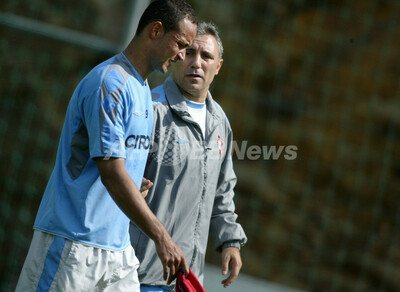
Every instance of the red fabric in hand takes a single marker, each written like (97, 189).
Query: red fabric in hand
(188, 282)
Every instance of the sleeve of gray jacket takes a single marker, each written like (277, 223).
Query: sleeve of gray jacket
(224, 228)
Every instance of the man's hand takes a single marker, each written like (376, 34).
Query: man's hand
(231, 257)
(146, 185)
(172, 258)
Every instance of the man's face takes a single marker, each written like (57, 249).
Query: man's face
(172, 45)
(195, 73)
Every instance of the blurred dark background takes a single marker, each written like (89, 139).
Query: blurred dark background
(320, 75)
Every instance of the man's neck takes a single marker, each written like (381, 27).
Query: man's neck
(199, 99)
(138, 58)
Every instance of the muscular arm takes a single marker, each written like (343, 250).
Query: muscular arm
(129, 198)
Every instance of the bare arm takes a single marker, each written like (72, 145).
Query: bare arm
(131, 201)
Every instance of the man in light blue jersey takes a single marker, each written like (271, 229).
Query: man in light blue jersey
(190, 165)
(81, 240)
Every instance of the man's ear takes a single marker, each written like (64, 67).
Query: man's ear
(156, 30)
(219, 66)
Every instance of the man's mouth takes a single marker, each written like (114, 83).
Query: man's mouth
(194, 75)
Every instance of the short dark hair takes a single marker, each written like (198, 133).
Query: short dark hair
(169, 12)
(204, 28)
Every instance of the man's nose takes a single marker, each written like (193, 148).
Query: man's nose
(196, 61)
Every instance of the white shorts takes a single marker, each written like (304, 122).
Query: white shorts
(57, 264)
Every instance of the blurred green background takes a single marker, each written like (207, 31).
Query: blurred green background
(320, 75)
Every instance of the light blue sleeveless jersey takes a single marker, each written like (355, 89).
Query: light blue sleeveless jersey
(109, 115)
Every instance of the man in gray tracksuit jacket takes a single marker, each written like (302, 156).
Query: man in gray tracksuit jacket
(193, 180)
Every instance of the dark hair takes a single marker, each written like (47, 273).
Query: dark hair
(169, 12)
(204, 28)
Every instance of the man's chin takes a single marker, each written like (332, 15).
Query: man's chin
(164, 68)
(161, 70)
(194, 84)
(194, 91)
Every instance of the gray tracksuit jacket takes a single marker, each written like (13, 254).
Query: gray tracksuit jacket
(193, 184)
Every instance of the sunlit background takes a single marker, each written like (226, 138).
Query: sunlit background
(322, 76)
